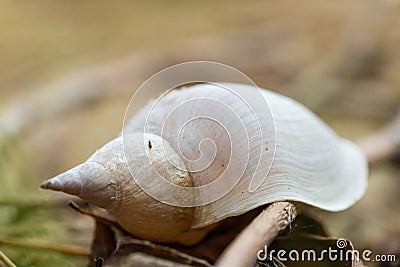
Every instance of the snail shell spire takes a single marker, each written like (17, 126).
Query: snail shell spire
(86, 175)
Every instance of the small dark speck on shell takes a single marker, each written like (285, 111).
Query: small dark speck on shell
(150, 145)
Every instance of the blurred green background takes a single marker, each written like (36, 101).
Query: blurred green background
(69, 68)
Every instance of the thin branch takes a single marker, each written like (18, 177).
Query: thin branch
(242, 252)
(383, 144)
(6, 260)
(151, 248)
(40, 245)
(109, 221)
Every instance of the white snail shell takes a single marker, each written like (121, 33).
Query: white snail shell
(303, 160)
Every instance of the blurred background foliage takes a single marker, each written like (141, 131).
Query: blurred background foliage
(68, 70)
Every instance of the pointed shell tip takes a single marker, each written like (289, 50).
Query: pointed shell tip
(51, 184)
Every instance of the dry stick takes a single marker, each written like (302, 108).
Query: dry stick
(6, 260)
(103, 219)
(163, 249)
(61, 248)
(242, 252)
(382, 144)
(145, 260)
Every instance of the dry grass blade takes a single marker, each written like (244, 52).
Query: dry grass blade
(40, 245)
(6, 261)
(261, 231)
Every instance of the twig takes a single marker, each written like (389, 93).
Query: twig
(6, 260)
(110, 222)
(61, 248)
(145, 260)
(382, 144)
(150, 248)
(261, 231)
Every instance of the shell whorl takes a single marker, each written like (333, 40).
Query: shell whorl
(308, 162)
(89, 174)
(106, 181)
(299, 156)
